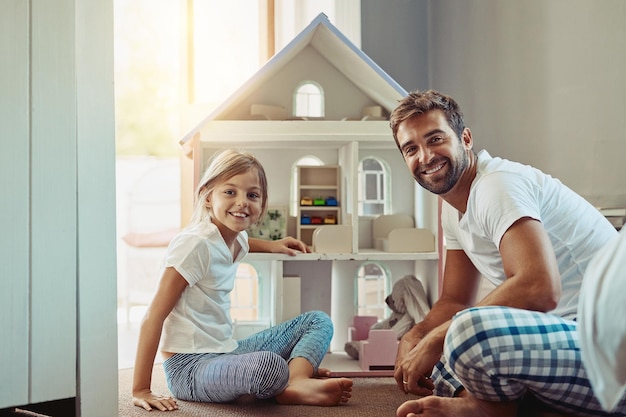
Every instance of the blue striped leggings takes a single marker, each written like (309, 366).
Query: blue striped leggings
(498, 353)
(259, 365)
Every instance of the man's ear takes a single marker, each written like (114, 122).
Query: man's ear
(466, 139)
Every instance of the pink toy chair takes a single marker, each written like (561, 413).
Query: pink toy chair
(360, 327)
(378, 352)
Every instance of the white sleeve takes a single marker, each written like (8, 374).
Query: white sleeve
(450, 226)
(190, 256)
(503, 199)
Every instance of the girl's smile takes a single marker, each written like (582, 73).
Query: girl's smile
(235, 204)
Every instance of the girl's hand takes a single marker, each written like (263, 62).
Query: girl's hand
(146, 400)
(287, 245)
(290, 246)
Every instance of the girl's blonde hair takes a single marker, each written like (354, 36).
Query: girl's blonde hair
(224, 165)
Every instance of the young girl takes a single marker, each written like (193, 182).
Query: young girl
(191, 307)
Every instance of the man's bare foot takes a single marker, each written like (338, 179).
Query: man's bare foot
(316, 391)
(467, 406)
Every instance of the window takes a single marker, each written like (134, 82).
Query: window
(372, 286)
(214, 30)
(374, 187)
(304, 161)
(308, 100)
(244, 299)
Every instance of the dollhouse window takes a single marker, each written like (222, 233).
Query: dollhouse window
(372, 286)
(245, 295)
(374, 184)
(308, 100)
(308, 160)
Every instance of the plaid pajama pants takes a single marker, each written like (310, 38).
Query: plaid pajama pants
(498, 353)
(259, 365)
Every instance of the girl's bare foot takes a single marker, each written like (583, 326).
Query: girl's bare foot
(316, 391)
(467, 406)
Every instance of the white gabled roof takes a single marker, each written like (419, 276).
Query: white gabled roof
(338, 50)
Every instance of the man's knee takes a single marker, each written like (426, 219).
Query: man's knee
(466, 337)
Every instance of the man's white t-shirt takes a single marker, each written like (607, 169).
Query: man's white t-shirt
(200, 321)
(504, 192)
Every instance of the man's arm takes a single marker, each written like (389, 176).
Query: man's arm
(460, 285)
(533, 281)
(421, 347)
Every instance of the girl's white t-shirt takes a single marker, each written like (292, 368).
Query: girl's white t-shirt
(504, 192)
(200, 321)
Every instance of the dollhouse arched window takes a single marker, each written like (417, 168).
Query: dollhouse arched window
(308, 100)
(244, 298)
(293, 186)
(373, 284)
(374, 182)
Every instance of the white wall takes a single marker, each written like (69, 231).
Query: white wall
(541, 82)
(57, 291)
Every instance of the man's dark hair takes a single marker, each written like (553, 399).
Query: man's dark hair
(417, 103)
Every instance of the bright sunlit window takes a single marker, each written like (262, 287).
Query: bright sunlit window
(223, 49)
(244, 298)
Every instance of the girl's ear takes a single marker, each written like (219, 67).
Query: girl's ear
(207, 201)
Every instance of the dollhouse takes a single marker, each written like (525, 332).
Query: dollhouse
(312, 115)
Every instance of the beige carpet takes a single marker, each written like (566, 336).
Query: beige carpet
(371, 397)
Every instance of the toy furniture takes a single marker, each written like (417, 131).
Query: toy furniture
(319, 181)
(410, 239)
(332, 239)
(378, 352)
(384, 224)
(361, 327)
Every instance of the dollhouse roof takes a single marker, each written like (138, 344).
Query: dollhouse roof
(319, 47)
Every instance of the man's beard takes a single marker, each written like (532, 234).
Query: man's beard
(455, 170)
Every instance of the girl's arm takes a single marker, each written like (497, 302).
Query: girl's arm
(170, 288)
(287, 245)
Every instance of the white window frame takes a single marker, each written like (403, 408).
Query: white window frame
(308, 100)
(380, 308)
(382, 177)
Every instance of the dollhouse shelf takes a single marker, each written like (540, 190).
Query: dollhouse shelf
(254, 134)
(367, 255)
(317, 182)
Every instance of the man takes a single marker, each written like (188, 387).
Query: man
(525, 232)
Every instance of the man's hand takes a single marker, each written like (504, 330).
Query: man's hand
(413, 369)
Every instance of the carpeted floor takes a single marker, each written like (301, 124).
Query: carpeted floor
(371, 397)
